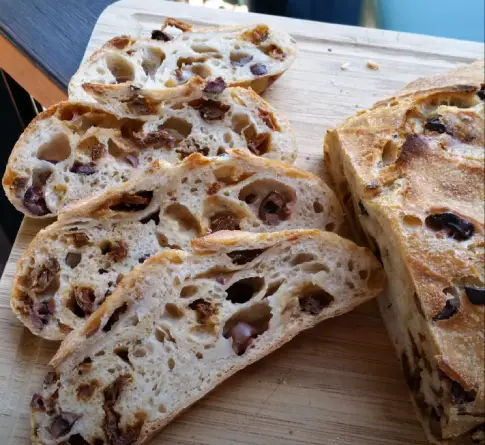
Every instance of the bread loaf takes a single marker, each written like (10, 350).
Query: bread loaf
(72, 265)
(248, 56)
(75, 150)
(411, 170)
(181, 323)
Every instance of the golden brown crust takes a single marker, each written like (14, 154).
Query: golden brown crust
(410, 162)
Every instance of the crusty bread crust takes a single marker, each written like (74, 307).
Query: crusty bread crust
(334, 273)
(167, 206)
(411, 171)
(74, 150)
(247, 56)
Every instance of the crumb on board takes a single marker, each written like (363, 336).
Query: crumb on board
(329, 50)
(372, 65)
(345, 66)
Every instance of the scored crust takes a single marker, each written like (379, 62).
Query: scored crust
(181, 323)
(411, 172)
(73, 265)
(247, 56)
(75, 150)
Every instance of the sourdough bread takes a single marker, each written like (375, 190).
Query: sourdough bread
(74, 150)
(72, 265)
(248, 56)
(411, 170)
(181, 323)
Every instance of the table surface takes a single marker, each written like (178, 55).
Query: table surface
(52, 33)
(339, 383)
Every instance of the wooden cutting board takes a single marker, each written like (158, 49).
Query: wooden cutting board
(339, 383)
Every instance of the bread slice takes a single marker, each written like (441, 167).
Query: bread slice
(74, 150)
(248, 56)
(72, 265)
(181, 323)
(412, 171)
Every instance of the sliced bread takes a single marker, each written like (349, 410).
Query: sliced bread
(74, 151)
(181, 323)
(72, 265)
(249, 56)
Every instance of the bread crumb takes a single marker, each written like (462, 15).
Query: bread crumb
(345, 66)
(372, 65)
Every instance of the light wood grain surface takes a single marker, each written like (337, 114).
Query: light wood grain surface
(337, 384)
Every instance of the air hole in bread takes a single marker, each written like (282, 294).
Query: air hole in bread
(273, 288)
(182, 216)
(349, 284)
(202, 70)
(129, 127)
(241, 257)
(390, 152)
(198, 48)
(190, 61)
(173, 310)
(160, 335)
(240, 58)
(412, 221)
(314, 267)
(77, 439)
(188, 291)
(115, 316)
(330, 227)
(254, 192)
(139, 352)
(152, 59)
(313, 299)
(114, 149)
(181, 126)
(229, 175)
(302, 258)
(122, 353)
(162, 408)
(199, 355)
(40, 176)
(250, 132)
(56, 150)
(350, 265)
(120, 68)
(74, 307)
(133, 202)
(68, 112)
(243, 290)
(239, 122)
(171, 363)
(317, 207)
(247, 324)
(363, 274)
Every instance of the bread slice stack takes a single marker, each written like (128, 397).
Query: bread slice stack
(80, 259)
(411, 171)
(185, 247)
(181, 323)
(74, 150)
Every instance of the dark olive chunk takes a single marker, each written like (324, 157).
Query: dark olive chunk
(451, 308)
(273, 209)
(459, 395)
(215, 86)
(161, 35)
(34, 201)
(62, 423)
(476, 295)
(435, 124)
(259, 69)
(455, 227)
